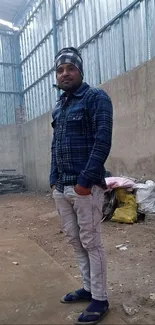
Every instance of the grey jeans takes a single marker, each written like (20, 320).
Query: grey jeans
(81, 221)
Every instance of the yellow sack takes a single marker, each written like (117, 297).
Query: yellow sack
(127, 212)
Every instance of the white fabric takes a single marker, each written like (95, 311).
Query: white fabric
(145, 196)
(115, 182)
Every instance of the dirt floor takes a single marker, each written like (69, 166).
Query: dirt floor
(131, 273)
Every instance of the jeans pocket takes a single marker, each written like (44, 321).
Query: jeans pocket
(69, 191)
(57, 195)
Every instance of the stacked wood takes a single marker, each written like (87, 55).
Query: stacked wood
(11, 182)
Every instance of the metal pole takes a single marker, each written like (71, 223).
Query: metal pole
(123, 39)
(19, 71)
(54, 20)
(148, 19)
(55, 37)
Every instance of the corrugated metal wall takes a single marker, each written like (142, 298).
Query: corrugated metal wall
(37, 55)
(9, 96)
(114, 36)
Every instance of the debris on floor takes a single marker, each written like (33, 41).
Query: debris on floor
(11, 182)
(78, 276)
(128, 200)
(109, 205)
(130, 310)
(145, 196)
(127, 207)
(152, 296)
(15, 263)
(122, 247)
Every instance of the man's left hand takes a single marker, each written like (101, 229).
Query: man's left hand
(82, 190)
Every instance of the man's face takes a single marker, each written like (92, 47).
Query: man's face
(69, 77)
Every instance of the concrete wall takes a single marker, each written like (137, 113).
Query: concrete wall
(133, 96)
(10, 148)
(36, 139)
(133, 153)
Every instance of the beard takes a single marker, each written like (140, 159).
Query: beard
(70, 85)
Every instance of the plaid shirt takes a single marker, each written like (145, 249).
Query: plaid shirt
(82, 138)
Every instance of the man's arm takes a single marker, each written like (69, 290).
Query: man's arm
(101, 117)
(53, 170)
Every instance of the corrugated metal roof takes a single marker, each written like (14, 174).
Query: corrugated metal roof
(9, 9)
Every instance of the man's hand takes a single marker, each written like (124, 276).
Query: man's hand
(82, 190)
(53, 187)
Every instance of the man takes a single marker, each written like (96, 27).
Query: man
(82, 122)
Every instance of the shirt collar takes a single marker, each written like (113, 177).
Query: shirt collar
(79, 92)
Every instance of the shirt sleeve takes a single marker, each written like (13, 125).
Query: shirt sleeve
(53, 170)
(101, 117)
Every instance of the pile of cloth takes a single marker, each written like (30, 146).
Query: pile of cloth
(127, 200)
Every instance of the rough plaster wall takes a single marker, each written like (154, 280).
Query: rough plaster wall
(10, 148)
(36, 138)
(133, 96)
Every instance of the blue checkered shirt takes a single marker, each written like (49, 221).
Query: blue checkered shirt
(82, 138)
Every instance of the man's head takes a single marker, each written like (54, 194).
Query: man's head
(69, 69)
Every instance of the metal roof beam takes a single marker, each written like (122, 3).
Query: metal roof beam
(68, 11)
(38, 80)
(9, 64)
(9, 92)
(58, 21)
(31, 16)
(39, 44)
(51, 31)
(22, 10)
